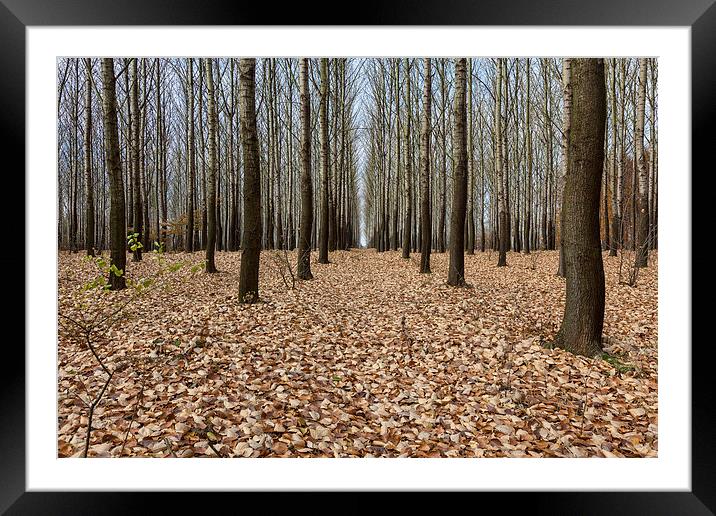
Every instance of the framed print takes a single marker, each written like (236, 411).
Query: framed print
(428, 251)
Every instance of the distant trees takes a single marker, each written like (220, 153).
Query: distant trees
(581, 328)
(249, 274)
(118, 256)
(385, 145)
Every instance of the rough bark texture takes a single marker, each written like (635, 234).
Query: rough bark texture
(211, 176)
(642, 201)
(249, 274)
(456, 270)
(425, 212)
(117, 230)
(306, 224)
(581, 329)
(89, 186)
(323, 115)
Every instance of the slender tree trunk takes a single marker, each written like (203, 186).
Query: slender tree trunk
(614, 233)
(408, 168)
(323, 115)
(528, 186)
(118, 233)
(504, 234)
(213, 163)
(304, 238)
(581, 329)
(471, 167)
(425, 212)
(89, 184)
(456, 271)
(137, 215)
(566, 124)
(642, 203)
(249, 274)
(443, 192)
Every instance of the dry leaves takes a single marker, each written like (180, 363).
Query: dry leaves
(369, 359)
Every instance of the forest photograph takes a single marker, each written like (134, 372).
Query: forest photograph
(415, 257)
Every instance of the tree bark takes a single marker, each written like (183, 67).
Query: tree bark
(306, 223)
(504, 229)
(425, 212)
(581, 328)
(408, 168)
(323, 115)
(118, 234)
(566, 124)
(642, 201)
(137, 215)
(89, 185)
(456, 271)
(213, 163)
(250, 255)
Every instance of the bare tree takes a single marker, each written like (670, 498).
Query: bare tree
(425, 212)
(323, 115)
(581, 329)
(304, 237)
(118, 232)
(642, 200)
(456, 271)
(211, 177)
(250, 255)
(89, 184)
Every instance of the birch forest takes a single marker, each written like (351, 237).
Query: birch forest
(357, 257)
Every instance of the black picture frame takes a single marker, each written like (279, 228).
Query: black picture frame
(16, 15)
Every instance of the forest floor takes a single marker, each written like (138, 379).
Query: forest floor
(370, 358)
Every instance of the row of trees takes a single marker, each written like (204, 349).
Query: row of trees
(517, 129)
(164, 119)
(496, 129)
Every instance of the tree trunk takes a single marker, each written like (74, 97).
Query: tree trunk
(249, 274)
(456, 271)
(470, 247)
(306, 223)
(190, 157)
(504, 234)
(425, 212)
(408, 168)
(137, 215)
(118, 233)
(323, 115)
(211, 176)
(614, 233)
(566, 124)
(581, 329)
(89, 185)
(642, 201)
